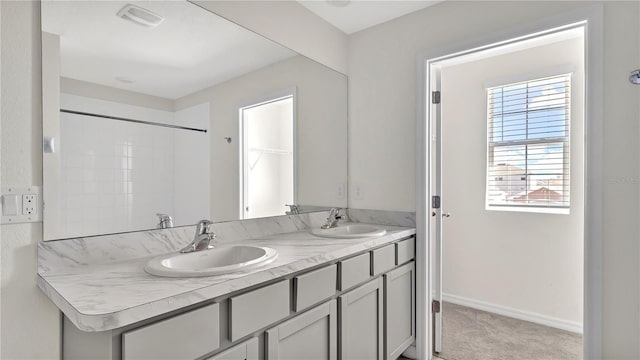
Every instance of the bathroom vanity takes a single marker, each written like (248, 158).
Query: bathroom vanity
(321, 298)
(127, 154)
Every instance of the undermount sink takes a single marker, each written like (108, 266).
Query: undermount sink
(216, 261)
(350, 231)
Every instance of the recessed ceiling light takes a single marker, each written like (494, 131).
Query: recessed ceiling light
(140, 16)
(124, 80)
(338, 3)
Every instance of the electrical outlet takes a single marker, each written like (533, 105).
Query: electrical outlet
(21, 205)
(29, 204)
(340, 191)
(358, 194)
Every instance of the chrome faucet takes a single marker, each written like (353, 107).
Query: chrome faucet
(293, 209)
(332, 220)
(165, 221)
(202, 238)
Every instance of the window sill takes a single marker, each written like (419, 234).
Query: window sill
(540, 210)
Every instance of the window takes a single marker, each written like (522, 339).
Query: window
(528, 145)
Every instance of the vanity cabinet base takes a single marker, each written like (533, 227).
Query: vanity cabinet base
(400, 314)
(248, 350)
(361, 319)
(374, 319)
(312, 335)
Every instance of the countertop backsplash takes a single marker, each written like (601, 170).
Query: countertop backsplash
(383, 217)
(104, 249)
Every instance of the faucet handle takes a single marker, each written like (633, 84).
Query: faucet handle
(335, 213)
(204, 227)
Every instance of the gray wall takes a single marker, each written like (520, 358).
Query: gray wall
(382, 110)
(321, 130)
(30, 322)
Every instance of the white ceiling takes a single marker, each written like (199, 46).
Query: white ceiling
(360, 14)
(191, 50)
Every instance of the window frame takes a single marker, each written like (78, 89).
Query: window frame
(565, 141)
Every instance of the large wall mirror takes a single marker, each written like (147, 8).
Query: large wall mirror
(162, 107)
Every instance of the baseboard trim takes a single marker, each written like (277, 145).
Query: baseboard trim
(571, 326)
(411, 352)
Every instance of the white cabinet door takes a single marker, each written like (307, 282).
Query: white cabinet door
(361, 317)
(311, 335)
(399, 294)
(247, 350)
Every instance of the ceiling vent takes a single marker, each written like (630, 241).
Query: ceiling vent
(140, 16)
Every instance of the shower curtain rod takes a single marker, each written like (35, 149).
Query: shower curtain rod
(131, 120)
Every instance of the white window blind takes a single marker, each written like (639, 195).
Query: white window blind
(528, 144)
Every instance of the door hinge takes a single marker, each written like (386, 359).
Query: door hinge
(435, 202)
(435, 97)
(435, 307)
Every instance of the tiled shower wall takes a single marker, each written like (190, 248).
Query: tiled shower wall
(116, 175)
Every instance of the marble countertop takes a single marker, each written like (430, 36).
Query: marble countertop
(108, 296)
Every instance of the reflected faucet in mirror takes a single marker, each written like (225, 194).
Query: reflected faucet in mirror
(293, 209)
(332, 220)
(202, 238)
(166, 221)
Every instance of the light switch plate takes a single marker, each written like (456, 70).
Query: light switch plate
(10, 205)
(21, 205)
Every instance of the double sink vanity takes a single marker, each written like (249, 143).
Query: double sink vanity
(272, 288)
(193, 262)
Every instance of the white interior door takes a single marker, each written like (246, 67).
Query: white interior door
(268, 158)
(436, 213)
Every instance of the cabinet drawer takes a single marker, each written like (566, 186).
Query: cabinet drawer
(384, 259)
(355, 271)
(314, 286)
(405, 251)
(257, 309)
(185, 336)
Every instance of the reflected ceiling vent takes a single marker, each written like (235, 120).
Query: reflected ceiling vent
(140, 16)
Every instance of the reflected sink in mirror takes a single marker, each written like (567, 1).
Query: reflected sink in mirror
(350, 231)
(217, 261)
